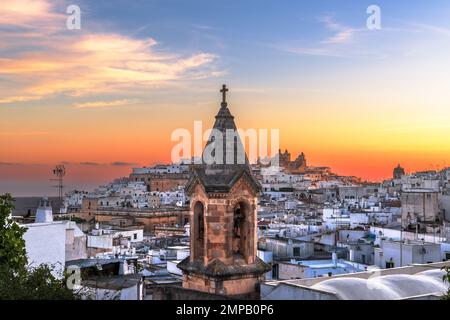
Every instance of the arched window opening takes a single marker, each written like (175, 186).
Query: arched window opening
(239, 230)
(199, 231)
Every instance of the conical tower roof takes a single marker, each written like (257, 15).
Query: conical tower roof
(219, 173)
(233, 151)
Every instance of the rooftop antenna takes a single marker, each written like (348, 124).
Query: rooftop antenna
(59, 171)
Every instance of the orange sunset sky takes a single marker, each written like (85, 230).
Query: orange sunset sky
(106, 98)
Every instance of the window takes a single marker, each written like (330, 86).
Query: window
(275, 271)
(135, 236)
(198, 228)
(241, 230)
(237, 230)
(297, 252)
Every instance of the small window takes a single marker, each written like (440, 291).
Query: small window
(135, 236)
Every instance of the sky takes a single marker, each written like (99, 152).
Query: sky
(106, 98)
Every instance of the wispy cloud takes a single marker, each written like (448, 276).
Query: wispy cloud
(104, 104)
(123, 164)
(337, 43)
(19, 99)
(88, 163)
(22, 12)
(9, 164)
(86, 63)
(114, 164)
(69, 163)
(428, 27)
(342, 34)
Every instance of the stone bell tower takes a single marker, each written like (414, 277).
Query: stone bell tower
(223, 218)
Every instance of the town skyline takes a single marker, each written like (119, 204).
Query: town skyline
(87, 176)
(106, 98)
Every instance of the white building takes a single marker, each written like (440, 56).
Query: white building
(392, 254)
(46, 243)
(44, 212)
(54, 243)
(114, 241)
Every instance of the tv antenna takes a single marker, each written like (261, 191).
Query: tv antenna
(59, 171)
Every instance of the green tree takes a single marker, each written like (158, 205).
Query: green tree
(17, 280)
(446, 278)
(12, 246)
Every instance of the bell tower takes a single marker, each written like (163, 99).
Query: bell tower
(223, 218)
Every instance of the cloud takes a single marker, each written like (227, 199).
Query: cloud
(432, 28)
(123, 164)
(115, 163)
(342, 34)
(19, 99)
(83, 163)
(104, 104)
(85, 63)
(22, 12)
(87, 163)
(310, 51)
(336, 44)
(9, 164)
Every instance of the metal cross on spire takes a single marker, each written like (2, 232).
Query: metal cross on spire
(224, 94)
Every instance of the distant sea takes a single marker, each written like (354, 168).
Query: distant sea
(26, 206)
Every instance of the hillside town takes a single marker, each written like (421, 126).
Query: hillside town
(224, 158)
(129, 236)
(269, 230)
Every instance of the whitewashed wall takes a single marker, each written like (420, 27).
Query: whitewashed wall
(46, 243)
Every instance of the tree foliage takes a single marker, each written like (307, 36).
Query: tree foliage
(446, 278)
(12, 246)
(37, 283)
(18, 281)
